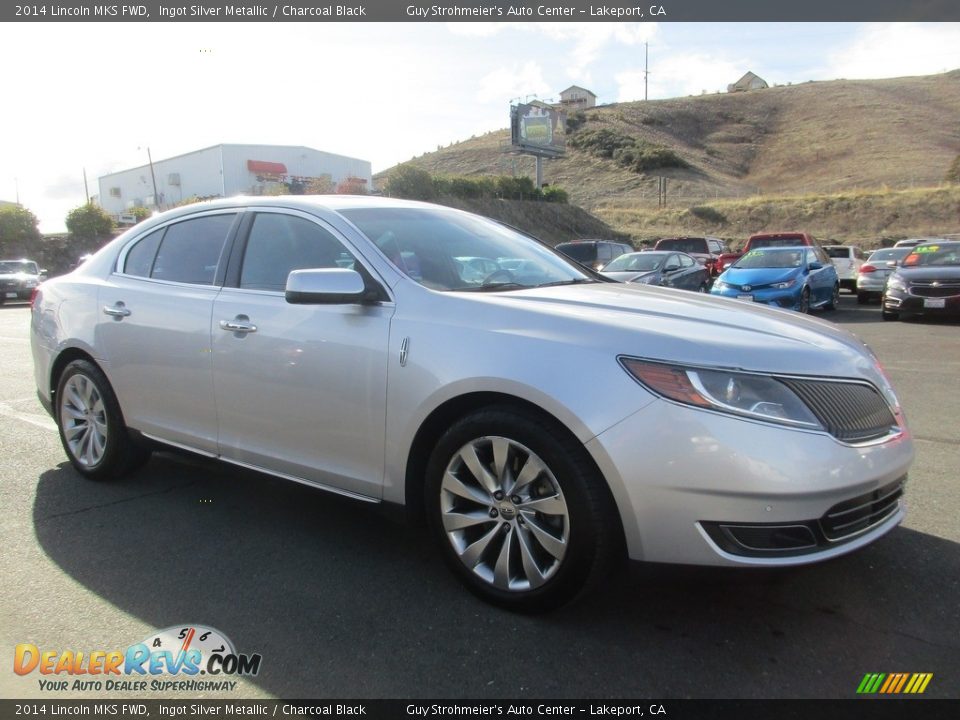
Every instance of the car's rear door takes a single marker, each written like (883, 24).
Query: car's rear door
(153, 328)
(300, 389)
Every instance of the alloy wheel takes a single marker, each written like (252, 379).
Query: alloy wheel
(504, 514)
(83, 417)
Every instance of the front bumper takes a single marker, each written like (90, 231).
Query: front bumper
(898, 301)
(788, 298)
(682, 477)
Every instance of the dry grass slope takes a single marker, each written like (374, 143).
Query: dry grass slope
(844, 158)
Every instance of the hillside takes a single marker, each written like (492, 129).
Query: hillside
(819, 138)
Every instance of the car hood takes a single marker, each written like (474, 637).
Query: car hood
(758, 276)
(676, 326)
(948, 273)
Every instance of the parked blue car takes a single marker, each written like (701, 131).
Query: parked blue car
(798, 278)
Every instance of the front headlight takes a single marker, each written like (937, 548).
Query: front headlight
(761, 397)
(29, 283)
(784, 285)
(896, 283)
(720, 285)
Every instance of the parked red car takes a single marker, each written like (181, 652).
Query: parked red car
(707, 250)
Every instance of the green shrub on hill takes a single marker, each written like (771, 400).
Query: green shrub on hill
(636, 155)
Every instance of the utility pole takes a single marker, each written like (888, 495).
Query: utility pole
(153, 178)
(646, 68)
(86, 190)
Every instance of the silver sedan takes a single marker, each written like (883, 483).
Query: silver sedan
(542, 419)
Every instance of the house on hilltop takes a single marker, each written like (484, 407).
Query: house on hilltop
(577, 98)
(748, 82)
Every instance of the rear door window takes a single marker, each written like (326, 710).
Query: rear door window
(190, 250)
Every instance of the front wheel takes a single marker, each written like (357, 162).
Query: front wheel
(804, 305)
(91, 425)
(834, 298)
(523, 519)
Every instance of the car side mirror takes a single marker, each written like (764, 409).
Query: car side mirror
(325, 286)
(671, 268)
(815, 266)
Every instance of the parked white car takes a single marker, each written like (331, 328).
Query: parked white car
(543, 422)
(847, 259)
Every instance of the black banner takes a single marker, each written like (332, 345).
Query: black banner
(391, 709)
(482, 11)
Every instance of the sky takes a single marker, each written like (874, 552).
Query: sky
(93, 97)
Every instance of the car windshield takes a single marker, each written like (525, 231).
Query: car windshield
(888, 255)
(18, 266)
(636, 262)
(771, 258)
(448, 250)
(687, 245)
(933, 255)
(838, 251)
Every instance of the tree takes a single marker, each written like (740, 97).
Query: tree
(352, 186)
(18, 230)
(89, 222)
(407, 181)
(140, 213)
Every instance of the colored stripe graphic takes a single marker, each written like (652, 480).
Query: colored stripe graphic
(894, 683)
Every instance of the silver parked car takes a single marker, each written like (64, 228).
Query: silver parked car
(344, 343)
(872, 275)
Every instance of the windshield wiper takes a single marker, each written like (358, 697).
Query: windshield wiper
(493, 287)
(578, 281)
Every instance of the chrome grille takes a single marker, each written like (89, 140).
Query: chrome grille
(861, 513)
(852, 412)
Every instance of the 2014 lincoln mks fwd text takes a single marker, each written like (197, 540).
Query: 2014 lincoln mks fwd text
(542, 418)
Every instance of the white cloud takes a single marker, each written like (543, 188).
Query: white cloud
(506, 83)
(897, 50)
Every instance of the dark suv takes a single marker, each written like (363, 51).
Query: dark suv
(593, 253)
(707, 250)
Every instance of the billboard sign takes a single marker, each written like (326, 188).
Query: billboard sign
(538, 128)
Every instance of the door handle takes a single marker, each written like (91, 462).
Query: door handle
(237, 326)
(119, 310)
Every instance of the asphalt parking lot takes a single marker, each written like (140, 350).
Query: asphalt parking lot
(343, 602)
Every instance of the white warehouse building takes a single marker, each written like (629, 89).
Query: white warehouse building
(226, 170)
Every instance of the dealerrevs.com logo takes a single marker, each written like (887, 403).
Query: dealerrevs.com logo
(169, 660)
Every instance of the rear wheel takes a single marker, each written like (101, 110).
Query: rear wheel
(523, 519)
(91, 425)
(863, 298)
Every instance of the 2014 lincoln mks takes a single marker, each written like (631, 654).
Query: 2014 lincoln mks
(543, 419)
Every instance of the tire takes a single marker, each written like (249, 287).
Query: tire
(522, 518)
(834, 299)
(887, 315)
(863, 298)
(703, 288)
(804, 305)
(91, 425)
